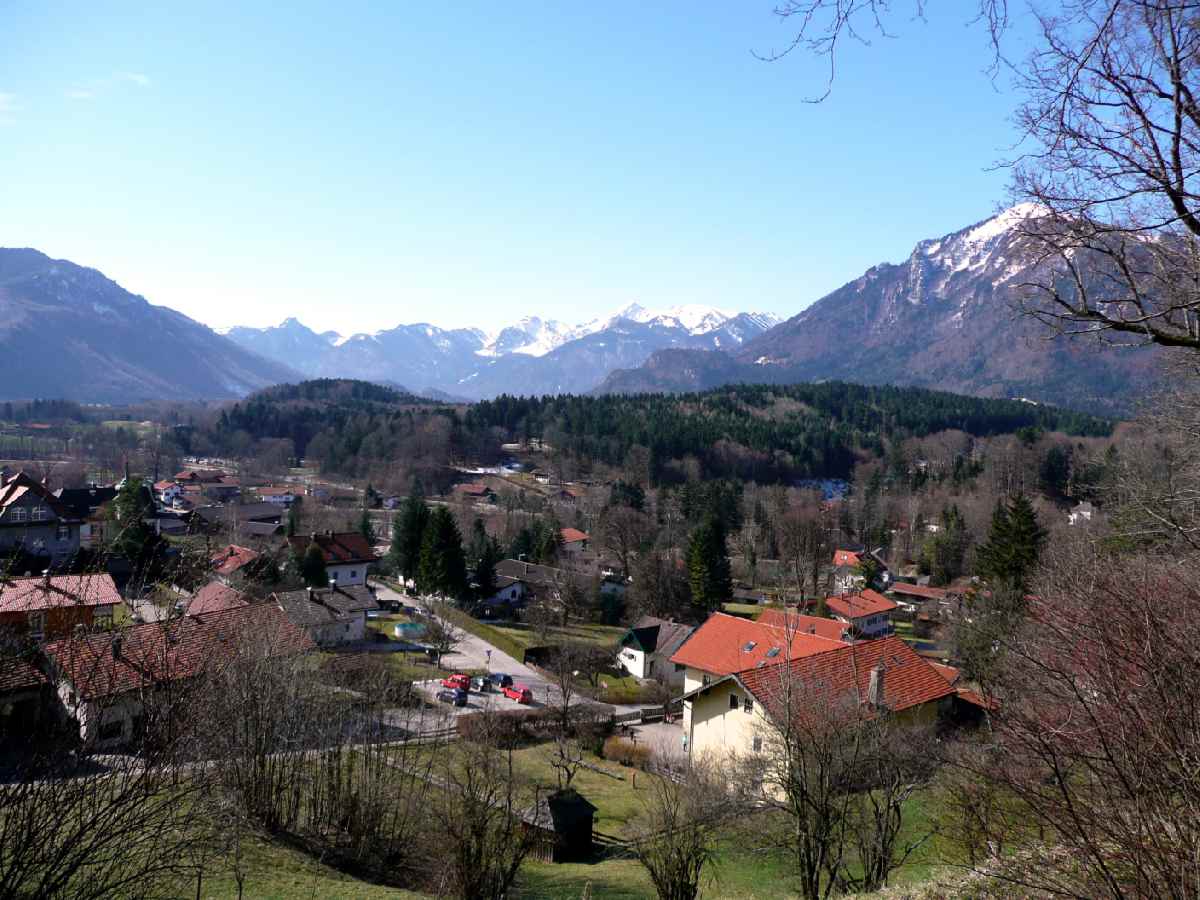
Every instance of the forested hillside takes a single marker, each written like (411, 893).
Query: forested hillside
(759, 432)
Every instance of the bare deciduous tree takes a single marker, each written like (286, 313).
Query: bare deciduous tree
(675, 836)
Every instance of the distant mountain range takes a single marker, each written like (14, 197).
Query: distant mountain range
(942, 319)
(69, 332)
(532, 356)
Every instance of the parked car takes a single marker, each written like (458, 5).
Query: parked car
(456, 697)
(481, 684)
(519, 692)
(458, 681)
(500, 680)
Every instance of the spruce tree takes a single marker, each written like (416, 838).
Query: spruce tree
(443, 567)
(1014, 543)
(312, 567)
(365, 527)
(408, 533)
(485, 569)
(708, 566)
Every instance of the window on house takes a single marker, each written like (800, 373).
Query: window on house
(111, 731)
(748, 706)
(704, 679)
(63, 533)
(679, 667)
(18, 514)
(750, 645)
(37, 624)
(773, 652)
(733, 701)
(39, 514)
(757, 744)
(104, 616)
(353, 573)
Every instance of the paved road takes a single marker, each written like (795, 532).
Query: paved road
(475, 653)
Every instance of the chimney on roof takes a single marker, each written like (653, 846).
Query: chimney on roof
(812, 629)
(875, 689)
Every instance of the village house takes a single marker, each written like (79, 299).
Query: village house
(88, 505)
(33, 519)
(868, 612)
(231, 560)
(104, 680)
(216, 596)
(511, 595)
(573, 540)
(347, 554)
(1081, 513)
(734, 715)
(330, 616)
(647, 647)
(726, 644)
(239, 519)
(278, 496)
(167, 492)
(476, 491)
(792, 621)
(24, 695)
(45, 607)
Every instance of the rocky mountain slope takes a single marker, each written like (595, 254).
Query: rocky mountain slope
(944, 319)
(532, 356)
(69, 332)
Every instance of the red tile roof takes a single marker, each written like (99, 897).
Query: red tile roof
(918, 590)
(342, 547)
(845, 558)
(214, 597)
(40, 592)
(475, 490)
(158, 652)
(19, 675)
(232, 558)
(854, 606)
(719, 646)
(572, 535)
(845, 671)
(826, 628)
(950, 673)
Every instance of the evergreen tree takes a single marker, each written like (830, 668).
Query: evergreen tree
(365, 527)
(708, 565)
(408, 533)
(129, 535)
(312, 567)
(485, 569)
(292, 520)
(1014, 543)
(443, 567)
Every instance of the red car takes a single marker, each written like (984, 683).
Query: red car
(519, 692)
(458, 682)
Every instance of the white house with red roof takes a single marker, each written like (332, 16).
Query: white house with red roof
(347, 554)
(725, 644)
(868, 612)
(738, 713)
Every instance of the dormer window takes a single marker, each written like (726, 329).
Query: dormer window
(39, 514)
(18, 514)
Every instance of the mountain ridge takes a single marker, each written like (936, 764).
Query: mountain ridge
(943, 318)
(68, 331)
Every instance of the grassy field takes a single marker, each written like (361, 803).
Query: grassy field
(276, 872)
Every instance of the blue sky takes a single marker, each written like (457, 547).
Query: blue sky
(359, 166)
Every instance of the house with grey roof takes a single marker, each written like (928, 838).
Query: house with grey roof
(331, 616)
(647, 647)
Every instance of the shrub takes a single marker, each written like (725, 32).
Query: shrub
(626, 752)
